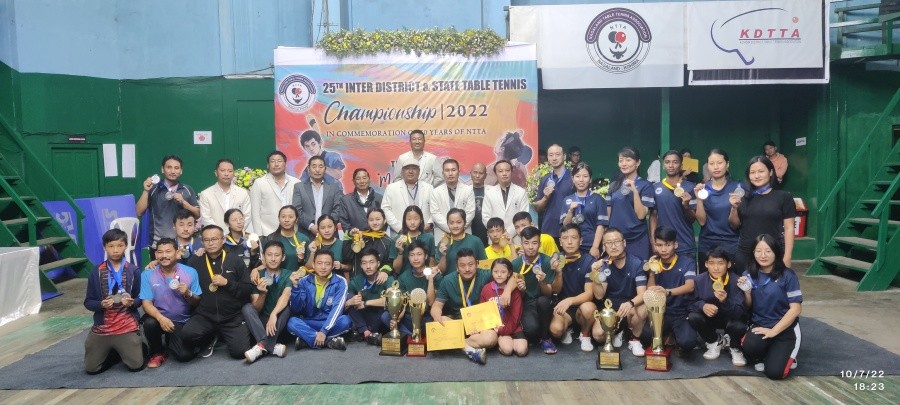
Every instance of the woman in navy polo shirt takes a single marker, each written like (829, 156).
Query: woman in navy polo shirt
(629, 202)
(763, 210)
(772, 292)
(587, 210)
(713, 208)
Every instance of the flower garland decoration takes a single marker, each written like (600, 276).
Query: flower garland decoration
(435, 41)
(246, 176)
(534, 178)
(600, 186)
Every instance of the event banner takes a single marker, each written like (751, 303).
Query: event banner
(605, 45)
(358, 112)
(755, 35)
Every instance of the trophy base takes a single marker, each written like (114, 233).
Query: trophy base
(608, 361)
(659, 361)
(415, 348)
(392, 346)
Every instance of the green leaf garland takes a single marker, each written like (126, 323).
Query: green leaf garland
(468, 43)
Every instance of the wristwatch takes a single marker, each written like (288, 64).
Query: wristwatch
(668, 292)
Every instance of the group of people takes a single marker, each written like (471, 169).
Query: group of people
(270, 267)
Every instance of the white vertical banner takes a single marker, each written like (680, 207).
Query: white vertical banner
(128, 164)
(606, 45)
(110, 160)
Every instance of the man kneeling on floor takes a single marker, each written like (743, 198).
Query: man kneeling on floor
(268, 304)
(317, 306)
(168, 293)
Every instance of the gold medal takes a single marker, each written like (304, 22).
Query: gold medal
(646, 266)
(503, 241)
(213, 287)
(718, 286)
(679, 192)
(655, 267)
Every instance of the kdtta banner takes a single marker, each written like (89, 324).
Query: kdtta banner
(358, 112)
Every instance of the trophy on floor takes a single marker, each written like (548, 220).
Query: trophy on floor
(416, 343)
(608, 358)
(658, 355)
(394, 301)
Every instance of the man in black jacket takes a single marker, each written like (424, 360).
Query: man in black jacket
(355, 206)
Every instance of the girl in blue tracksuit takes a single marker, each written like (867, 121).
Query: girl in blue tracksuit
(317, 306)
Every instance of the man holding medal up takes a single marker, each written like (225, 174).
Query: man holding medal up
(226, 287)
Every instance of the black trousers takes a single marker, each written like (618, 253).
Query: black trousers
(154, 334)
(200, 331)
(777, 353)
(706, 327)
(676, 325)
(367, 319)
(536, 317)
(256, 322)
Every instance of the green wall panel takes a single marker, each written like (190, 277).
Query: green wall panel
(68, 104)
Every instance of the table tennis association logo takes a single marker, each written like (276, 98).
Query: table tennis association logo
(297, 93)
(743, 36)
(618, 40)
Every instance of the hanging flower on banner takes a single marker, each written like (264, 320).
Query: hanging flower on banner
(433, 41)
(246, 176)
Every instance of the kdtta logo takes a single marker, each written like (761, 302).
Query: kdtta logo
(297, 93)
(618, 40)
(743, 36)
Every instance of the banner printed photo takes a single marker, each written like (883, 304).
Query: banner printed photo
(360, 114)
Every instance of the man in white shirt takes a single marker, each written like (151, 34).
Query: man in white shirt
(401, 194)
(427, 172)
(271, 192)
(505, 199)
(451, 194)
(223, 196)
(315, 197)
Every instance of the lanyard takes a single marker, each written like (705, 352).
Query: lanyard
(114, 277)
(762, 190)
(756, 284)
(668, 186)
(664, 268)
(556, 179)
(497, 293)
(725, 282)
(465, 298)
(412, 196)
(582, 202)
(523, 271)
(230, 239)
(572, 259)
(209, 266)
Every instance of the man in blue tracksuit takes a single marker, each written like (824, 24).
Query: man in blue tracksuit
(317, 306)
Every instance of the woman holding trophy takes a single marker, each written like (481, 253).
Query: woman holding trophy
(772, 291)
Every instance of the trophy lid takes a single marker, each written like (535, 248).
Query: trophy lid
(655, 299)
(417, 296)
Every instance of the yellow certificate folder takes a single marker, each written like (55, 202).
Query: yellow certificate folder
(481, 317)
(691, 164)
(448, 336)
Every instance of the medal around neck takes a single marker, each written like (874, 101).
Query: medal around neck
(213, 287)
(154, 179)
(427, 271)
(252, 238)
(718, 286)
(578, 219)
(740, 192)
(170, 195)
(173, 283)
(703, 194)
(678, 191)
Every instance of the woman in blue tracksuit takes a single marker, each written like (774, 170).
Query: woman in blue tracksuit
(587, 210)
(629, 202)
(317, 306)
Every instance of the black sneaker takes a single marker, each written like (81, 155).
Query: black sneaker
(209, 350)
(336, 343)
(355, 336)
(374, 339)
(300, 344)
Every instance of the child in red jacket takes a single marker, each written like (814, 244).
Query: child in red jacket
(511, 339)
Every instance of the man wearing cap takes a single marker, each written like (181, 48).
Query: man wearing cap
(427, 173)
(411, 191)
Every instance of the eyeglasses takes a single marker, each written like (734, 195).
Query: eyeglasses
(614, 243)
(210, 240)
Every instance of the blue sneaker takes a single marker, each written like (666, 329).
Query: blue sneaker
(548, 346)
(478, 356)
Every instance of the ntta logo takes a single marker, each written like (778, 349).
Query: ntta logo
(743, 34)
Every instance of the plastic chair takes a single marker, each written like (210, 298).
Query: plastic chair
(131, 227)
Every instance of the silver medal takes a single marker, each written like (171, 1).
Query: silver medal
(117, 299)
(703, 194)
(739, 191)
(269, 280)
(173, 283)
(625, 190)
(170, 195)
(427, 271)
(578, 219)
(154, 179)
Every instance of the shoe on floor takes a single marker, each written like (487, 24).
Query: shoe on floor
(617, 341)
(636, 348)
(300, 344)
(793, 364)
(254, 353)
(478, 356)
(209, 350)
(586, 345)
(737, 357)
(713, 350)
(156, 361)
(336, 343)
(279, 350)
(566, 338)
(548, 346)
(374, 339)
(759, 367)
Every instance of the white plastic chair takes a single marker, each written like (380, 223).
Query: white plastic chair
(131, 227)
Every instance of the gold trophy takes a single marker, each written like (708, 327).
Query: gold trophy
(416, 343)
(394, 301)
(657, 354)
(608, 358)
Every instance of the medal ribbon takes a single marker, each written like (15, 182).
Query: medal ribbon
(668, 186)
(465, 298)
(572, 258)
(719, 279)
(373, 234)
(671, 265)
(209, 266)
(114, 277)
(230, 239)
(762, 190)
(523, 271)
(497, 293)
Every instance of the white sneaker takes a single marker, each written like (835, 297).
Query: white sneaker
(617, 341)
(254, 353)
(713, 350)
(794, 364)
(586, 345)
(760, 367)
(636, 347)
(279, 350)
(566, 338)
(737, 357)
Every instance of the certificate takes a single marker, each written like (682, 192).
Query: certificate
(448, 336)
(481, 317)
(691, 164)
